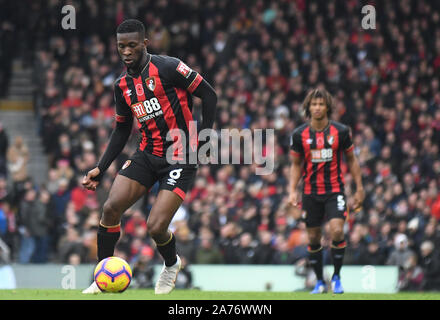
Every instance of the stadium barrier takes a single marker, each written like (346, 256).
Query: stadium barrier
(361, 279)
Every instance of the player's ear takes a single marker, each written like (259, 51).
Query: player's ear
(146, 42)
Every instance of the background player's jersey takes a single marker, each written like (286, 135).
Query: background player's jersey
(322, 153)
(160, 99)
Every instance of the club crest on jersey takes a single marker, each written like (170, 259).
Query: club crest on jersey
(150, 83)
(183, 69)
(330, 139)
(126, 164)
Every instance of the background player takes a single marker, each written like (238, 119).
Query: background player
(319, 145)
(156, 90)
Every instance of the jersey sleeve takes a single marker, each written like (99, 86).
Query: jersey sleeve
(123, 111)
(296, 148)
(346, 140)
(183, 76)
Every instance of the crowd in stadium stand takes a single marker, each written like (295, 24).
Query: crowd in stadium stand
(261, 57)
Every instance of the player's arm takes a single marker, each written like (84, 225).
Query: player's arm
(295, 177)
(118, 139)
(296, 157)
(186, 78)
(355, 170)
(208, 96)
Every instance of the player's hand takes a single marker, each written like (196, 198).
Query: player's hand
(292, 206)
(205, 157)
(293, 199)
(358, 198)
(88, 182)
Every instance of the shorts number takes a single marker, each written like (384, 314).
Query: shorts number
(175, 174)
(341, 202)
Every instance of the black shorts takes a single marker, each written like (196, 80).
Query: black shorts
(321, 208)
(147, 169)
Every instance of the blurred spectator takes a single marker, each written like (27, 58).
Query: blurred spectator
(431, 266)
(5, 192)
(208, 253)
(185, 243)
(411, 278)
(70, 244)
(264, 251)
(11, 236)
(34, 217)
(3, 223)
(143, 269)
(89, 239)
(283, 255)
(136, 224)
(401, 252)
(355, 249)
(300, 249)
(373, 255)
(74, 259)
(5, 257)
(61, 198)
(18, 158)
(4, 145)
(229, 242)
(246, 249)
(43, 222)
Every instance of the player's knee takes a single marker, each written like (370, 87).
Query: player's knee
(110, 214)
(314, 237)
(315, 240)
(337, 234)
(157, 229)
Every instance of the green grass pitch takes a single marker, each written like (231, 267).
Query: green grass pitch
(140, 294)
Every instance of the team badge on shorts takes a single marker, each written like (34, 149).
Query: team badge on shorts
(126, 164)
(151, 83)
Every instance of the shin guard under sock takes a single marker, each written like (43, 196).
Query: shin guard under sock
(337, 252)
(315, 259)
(107, 238)
(168, 250)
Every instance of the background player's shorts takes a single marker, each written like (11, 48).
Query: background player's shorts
(321, 208)
(147, 169)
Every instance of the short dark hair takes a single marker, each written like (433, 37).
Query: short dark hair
(131, 25)
(318, 93)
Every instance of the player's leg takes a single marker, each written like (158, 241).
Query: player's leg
(132, 182)
(313, 219)
(174, 183)
(338, 243)
(316, 258)
(161, 214)
(337, 213)
(159, 219)
(123, 194)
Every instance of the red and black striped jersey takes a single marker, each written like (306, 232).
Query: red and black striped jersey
(322, 154)
(160, 99)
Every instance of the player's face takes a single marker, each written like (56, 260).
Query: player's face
(131, 47)
(318, 109)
